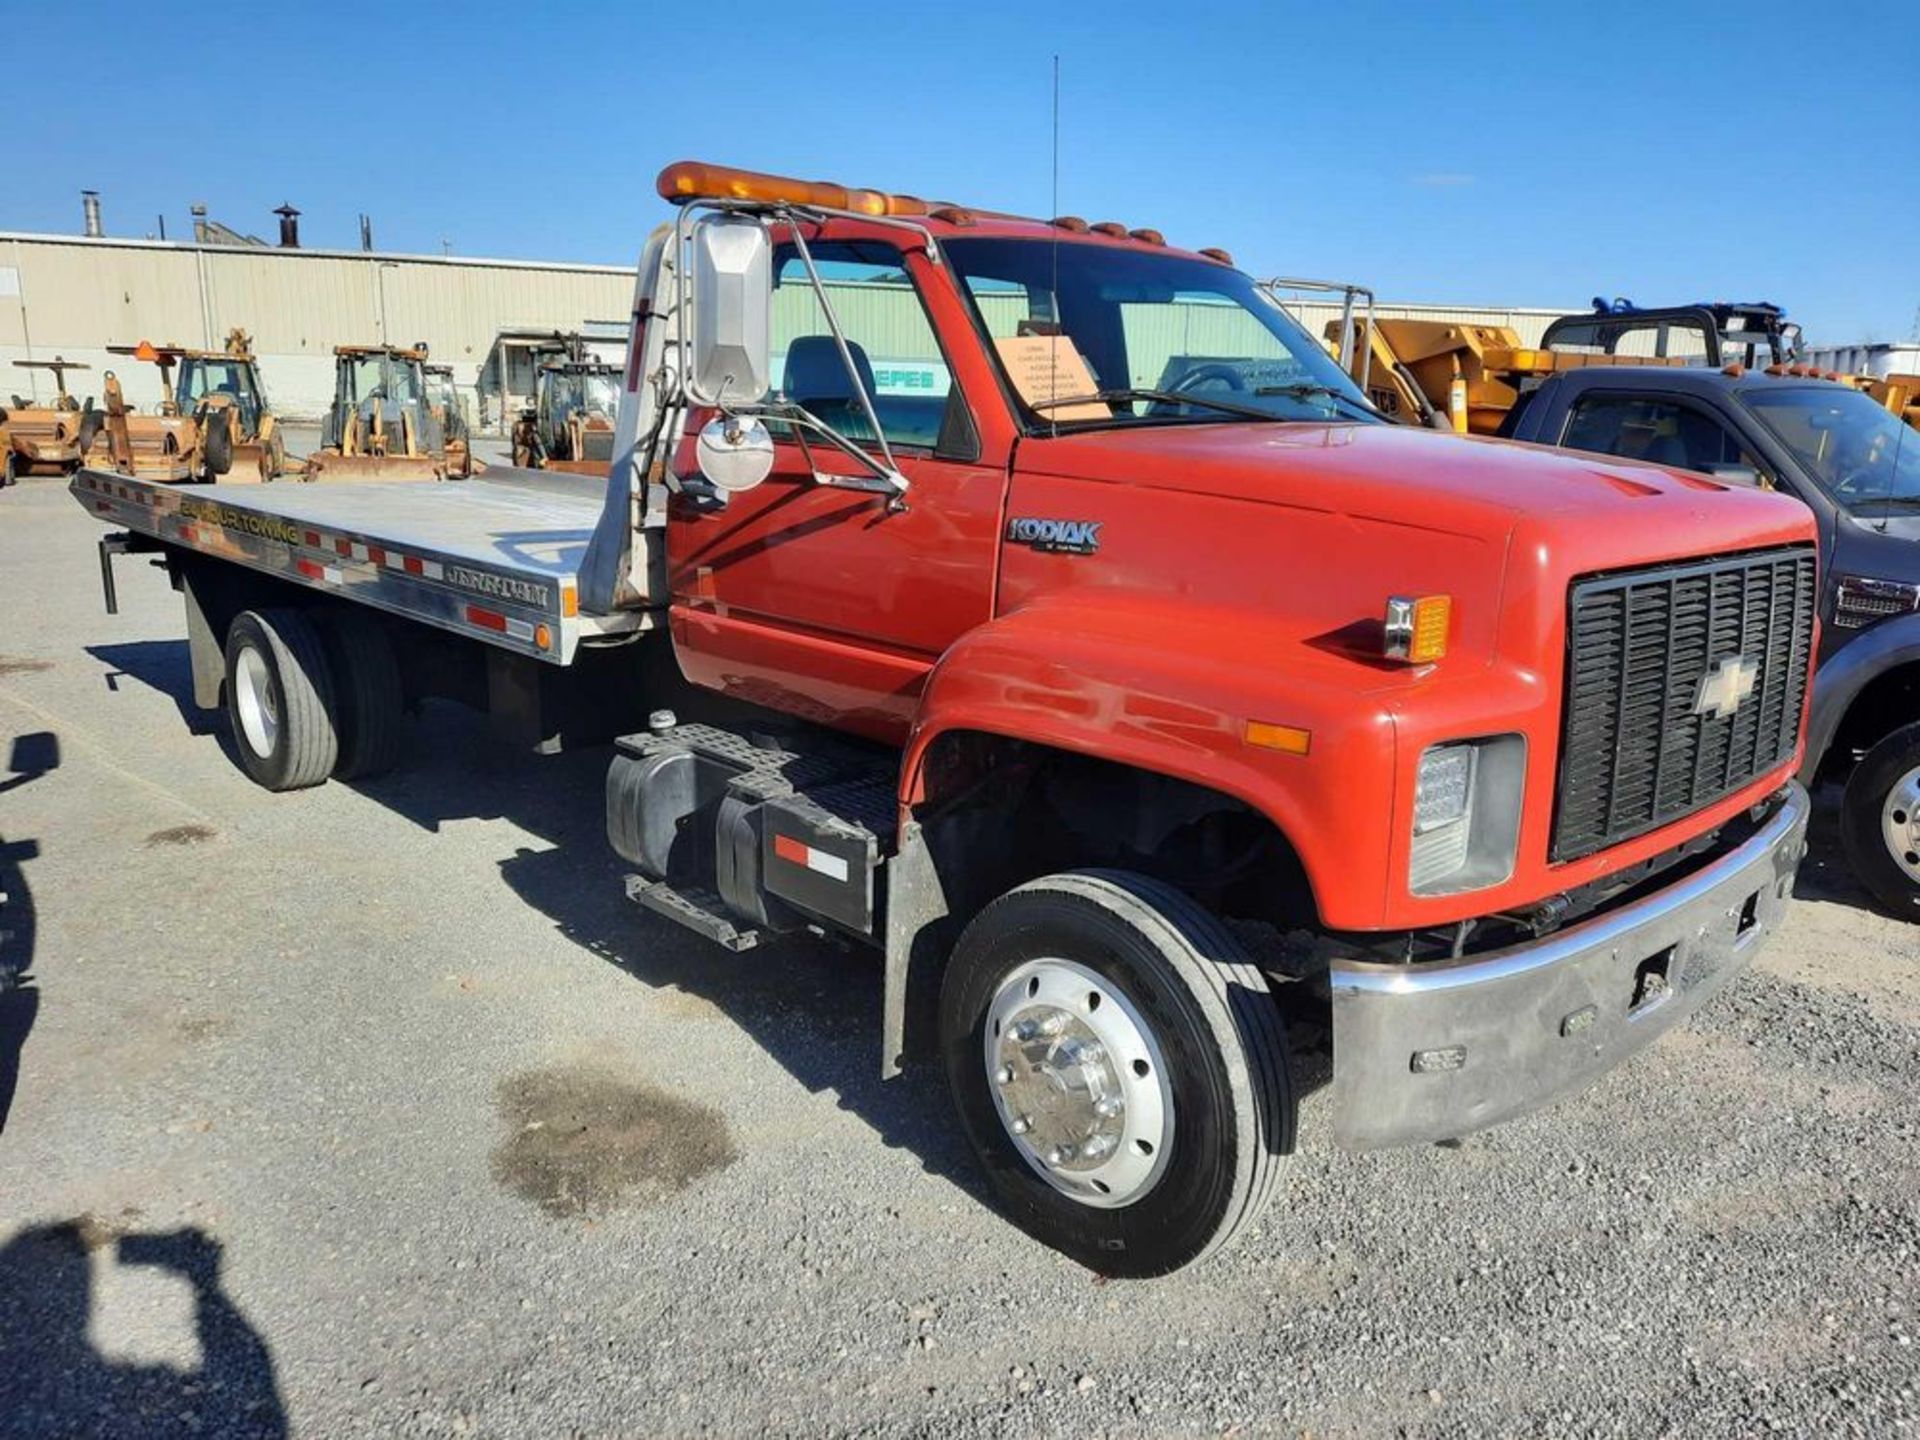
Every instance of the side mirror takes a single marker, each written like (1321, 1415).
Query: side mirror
(1737, 475)
(732, 264)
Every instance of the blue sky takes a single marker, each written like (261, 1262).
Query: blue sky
(1534, 154)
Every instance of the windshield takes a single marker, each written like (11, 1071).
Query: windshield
(385, 378)
(585, 391)
(1096, 335)
(1864, 456)
(200, 378)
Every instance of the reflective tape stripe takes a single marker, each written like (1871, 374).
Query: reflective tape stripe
(798, 852)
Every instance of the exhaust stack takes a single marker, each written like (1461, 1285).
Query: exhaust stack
(289, 227)
(90, 210)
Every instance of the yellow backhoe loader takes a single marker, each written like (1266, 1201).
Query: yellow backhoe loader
(384, 424)
(213, 423)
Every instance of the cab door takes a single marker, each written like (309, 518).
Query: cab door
(828, 602)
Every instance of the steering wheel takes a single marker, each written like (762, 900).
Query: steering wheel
(1214, 370)
(1196, 377)
(1861, 482)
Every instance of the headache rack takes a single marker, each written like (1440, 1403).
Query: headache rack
(1684, 683)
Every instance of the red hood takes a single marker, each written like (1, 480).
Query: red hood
(1426, 479)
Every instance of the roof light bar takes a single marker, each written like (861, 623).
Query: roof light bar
(689, 180)
(694, 180)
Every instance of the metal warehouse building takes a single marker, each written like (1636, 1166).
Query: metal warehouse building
(74, 295)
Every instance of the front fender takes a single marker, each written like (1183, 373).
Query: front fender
(1838, 683)
(1119, 677)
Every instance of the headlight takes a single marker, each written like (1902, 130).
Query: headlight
(1861, 599)
(1466, 814)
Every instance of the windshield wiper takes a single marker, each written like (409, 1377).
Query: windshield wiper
(1157, 397)
(1307, 390)
(1899, 502)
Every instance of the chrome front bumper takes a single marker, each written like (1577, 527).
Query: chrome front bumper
(1431, 1051)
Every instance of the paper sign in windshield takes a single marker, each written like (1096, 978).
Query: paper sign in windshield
(1048, 367)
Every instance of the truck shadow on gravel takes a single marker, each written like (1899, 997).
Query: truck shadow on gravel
(163, 666)
(813, 1005)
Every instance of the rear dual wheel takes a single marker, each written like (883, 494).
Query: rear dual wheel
(1120, 1068)
(280, 699)
(312, 694)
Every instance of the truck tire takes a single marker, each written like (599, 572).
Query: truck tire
(370, 704)
(1880, 822)
(280, 699)
(1120, 1068)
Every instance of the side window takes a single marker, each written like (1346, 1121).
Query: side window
(1661, 432)
(887, 332)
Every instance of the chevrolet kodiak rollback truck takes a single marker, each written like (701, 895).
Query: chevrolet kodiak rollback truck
(1036, 602)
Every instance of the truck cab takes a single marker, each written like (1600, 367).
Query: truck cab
(1856, 467)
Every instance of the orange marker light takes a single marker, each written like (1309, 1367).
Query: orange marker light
(1417, 628)
(145, 351)
(1287, 739)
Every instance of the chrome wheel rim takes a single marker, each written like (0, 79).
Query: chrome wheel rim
(259, 717)
(1079, 1082)
(1900, 822)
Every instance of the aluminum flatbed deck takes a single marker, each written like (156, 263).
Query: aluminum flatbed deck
(494, 558)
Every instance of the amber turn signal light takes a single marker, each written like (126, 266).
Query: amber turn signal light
(1417, 628)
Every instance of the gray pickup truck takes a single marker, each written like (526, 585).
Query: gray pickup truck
(1857, 467)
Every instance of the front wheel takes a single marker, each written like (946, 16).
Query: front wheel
(1120, 1068)
(1880, 822)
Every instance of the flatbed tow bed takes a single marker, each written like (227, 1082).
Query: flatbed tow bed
(493, 558)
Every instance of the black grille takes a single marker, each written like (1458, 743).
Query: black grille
(1639, 644)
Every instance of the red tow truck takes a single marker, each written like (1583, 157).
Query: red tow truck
(1036, 602)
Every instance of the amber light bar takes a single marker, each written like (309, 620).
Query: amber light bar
(688, 180)
(695, 180)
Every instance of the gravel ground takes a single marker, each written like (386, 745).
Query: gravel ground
(375, 1110)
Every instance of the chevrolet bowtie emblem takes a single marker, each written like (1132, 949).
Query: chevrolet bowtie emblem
(1726, 686)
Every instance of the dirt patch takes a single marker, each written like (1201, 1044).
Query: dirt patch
(204, 1027)
(14, 665)
(582, 1140)
(95, 1232)
(182, 835)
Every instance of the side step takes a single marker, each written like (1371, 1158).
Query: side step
(701, 911)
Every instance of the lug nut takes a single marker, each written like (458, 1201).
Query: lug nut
(1022, 1125)
(1004, 1075)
